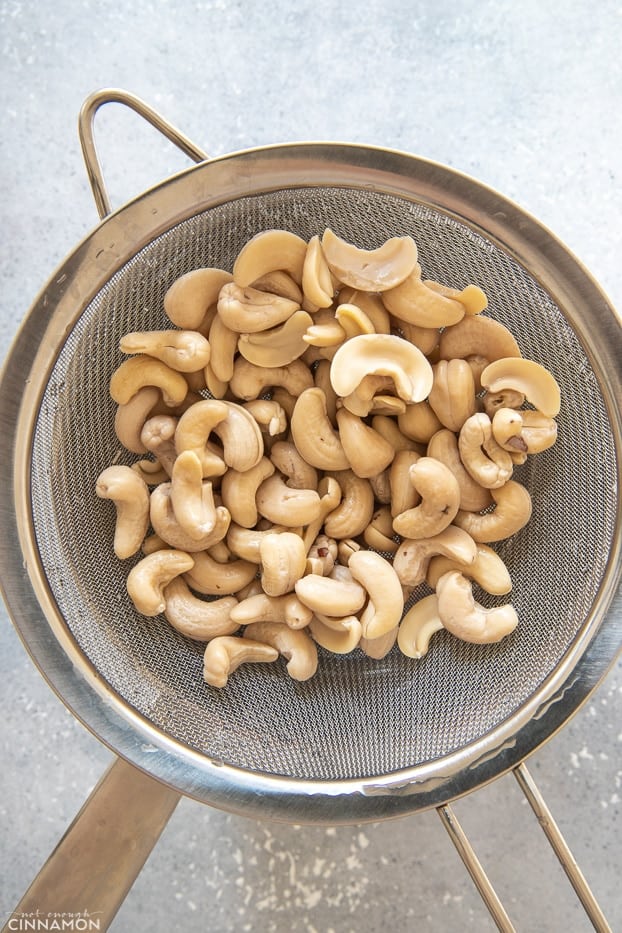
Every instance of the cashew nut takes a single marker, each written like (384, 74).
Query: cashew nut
(483, 458)
(285, 609)
(512, 512)
(416, 302)
(130, 418)
(194, 429)
(526, 376)
(283, 562)
(158, 437)
(166, 525)
(487, 570)
(277, 346)
(386, 602)
(374, 270)
(353, 320)
(317, 282)
(419, 422)
(330, 596)
(384, 355)
(239, 489)
(268, 251)
(141, 370)
(148, 579)
(313, 434)
(196, 618)
(189, 298)
(452, 396)
(192, 499)
(354, 512)
(224, 345)
(248, 310)
(417, 627)
(185, 351)
(269, 415)
(413, 556)
(130, 495)
(293, 644)
(245, 542)
(440, 500)
(279, 283)
(250, 381)
(477, 335)
(443, 446)
(467, 619)
(340, 640)
(371, 305)
(379, 534)
(224, 654)
(404, 496)
(283, 505)
(366, 451)
(210, 577)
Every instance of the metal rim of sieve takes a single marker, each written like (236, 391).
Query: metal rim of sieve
(27, 591)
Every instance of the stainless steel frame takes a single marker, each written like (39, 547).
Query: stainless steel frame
(167, 767)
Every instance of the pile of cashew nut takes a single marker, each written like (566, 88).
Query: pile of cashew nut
(320, 432)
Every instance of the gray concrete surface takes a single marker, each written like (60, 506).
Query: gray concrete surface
(526, 97)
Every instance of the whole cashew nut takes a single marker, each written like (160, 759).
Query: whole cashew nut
(417, 627)
(512, 512)
(440, 500)
(196, 618)
(139, 371)
(487, 570)
(483, 458)
(374, 270)
(189, 298)
(210, 577)
(238, 489)
(366, 452)
(185, 351)
(386, 602)
(269, 251)
(250, 381)
(224, 654)
(283, 562)
(130, 495)
(354, 512)
(148, 579)
(413, 556)
(465, 618)
(285, 609)
(313, 434)
(293, 644)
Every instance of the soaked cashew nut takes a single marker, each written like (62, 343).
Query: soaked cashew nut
(189, 298)
(313, 434)
(139, 371)
(277, 346)
(148, 579)
(269, 415)
(194, 429)
(440, 500)
(224, 654)
(340, 640)
(330, 596)
(285, 609)
(370, 270)
(379, 534)
(507, 426)
(158, 437)
(412, 557)
(416, 302)
(487, 570)
(512, 512)
(383, 355)
(477, 335)
(130, 418)
(507, 398)
(404, 496)
(355, 510)
(212, 578)
(417, 627)
(283, 505)
(248, 310)
(130, 495)
(192, 499)
(452, 396)
(269, 251)
(329, 492)
(386, 602)
(317, 281)
(185, 351)
(245, 542)
(165, 523)
(353, 320)
(288, 461)
(386, 425)
(250, 381)
(239, 489)
(419, 422)
(467, 619)
(196, 618)
(443, 446)
(483, 458)
(536, 383)
(371, 305)
(279, 283)
(367, 453)
(224, 344)
(293, 644)
(283, 562)
(241, 438)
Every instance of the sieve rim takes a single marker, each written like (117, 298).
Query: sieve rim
(31, 603)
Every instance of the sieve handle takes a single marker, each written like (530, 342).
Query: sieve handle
(86, 123)
(102, 852)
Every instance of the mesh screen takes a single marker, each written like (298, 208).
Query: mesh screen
(357, 717)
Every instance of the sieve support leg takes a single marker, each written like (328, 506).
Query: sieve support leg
(102, 852)
(474, 867)
(560, 847)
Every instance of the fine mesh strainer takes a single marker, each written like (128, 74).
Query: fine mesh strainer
(364, 739)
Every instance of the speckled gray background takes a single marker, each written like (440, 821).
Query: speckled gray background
(525, 96)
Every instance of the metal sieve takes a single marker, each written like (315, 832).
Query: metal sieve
(364, 739)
